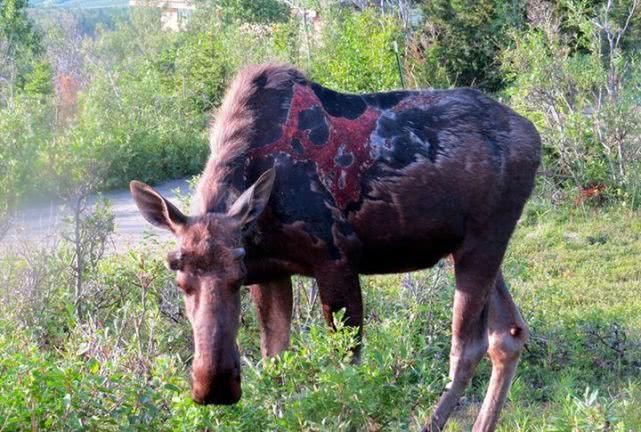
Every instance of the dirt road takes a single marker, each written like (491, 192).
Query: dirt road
(40, 222)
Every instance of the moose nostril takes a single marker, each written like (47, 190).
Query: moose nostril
(220, 388)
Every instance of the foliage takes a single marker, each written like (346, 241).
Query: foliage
(584, 102)
(25, 128)
(357, 54)
(461, 40)
(20, 45)
(131, 127)
(254, 11)
(123, 364)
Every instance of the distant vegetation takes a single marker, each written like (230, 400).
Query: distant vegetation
(79, 4)
(79, 98)
(92, 99)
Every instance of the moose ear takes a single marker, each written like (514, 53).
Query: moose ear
(156, 209)
(251, 203)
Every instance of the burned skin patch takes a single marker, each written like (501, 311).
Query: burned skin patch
(351, 138)
(409, 131)
(313, 120)
(403, 137)
(301, 199)
(340, 105)
(386, 100)
(433, 125)
(338, 147)
(267, 122)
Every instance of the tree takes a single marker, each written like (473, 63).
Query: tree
(462, 39)
(21, 45)
(254, 11)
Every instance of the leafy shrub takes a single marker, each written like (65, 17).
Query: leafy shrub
(460, 43)
(254, 11)
(25, 128)
(136, 130)
(585, 103)
(21, 49)
(356, 52)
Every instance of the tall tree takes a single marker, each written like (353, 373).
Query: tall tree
(462, 40)
(20, 45)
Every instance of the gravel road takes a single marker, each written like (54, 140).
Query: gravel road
(40, 222)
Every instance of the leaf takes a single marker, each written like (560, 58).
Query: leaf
(172, 387)
(94, 366)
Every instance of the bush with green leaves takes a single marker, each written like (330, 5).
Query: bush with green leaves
(133, 128)
(253, 11)
(356, 52)
(460, 42)
(25, 128)
(584, 102)
(23, 68)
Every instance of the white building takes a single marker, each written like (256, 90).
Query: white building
(174, 14)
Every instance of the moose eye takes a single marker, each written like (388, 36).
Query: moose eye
(175, 261)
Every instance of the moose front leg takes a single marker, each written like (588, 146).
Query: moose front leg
(339, 288)
(273, 302)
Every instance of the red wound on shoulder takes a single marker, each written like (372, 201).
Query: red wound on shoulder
(344, 156)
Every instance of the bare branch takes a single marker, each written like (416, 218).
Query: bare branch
(633, 8)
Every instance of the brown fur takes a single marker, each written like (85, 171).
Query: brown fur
(232, 126)
(304, 180)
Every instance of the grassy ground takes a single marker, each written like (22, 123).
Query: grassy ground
(574, 273)
(577, 278)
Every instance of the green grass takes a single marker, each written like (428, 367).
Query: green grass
(574, 273)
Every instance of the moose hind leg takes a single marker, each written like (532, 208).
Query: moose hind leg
(273, 302)
(469, 345)
(508, 334)
(477, 264)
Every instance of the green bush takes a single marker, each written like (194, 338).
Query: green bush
(253, 11)
(460, 42)
(356, 52)
(25, 128)
(584, 102)
(135, 129)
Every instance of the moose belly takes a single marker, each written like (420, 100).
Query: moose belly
(392, 245)
(402, 257)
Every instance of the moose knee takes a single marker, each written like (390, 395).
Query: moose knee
(464, 357)
(507, 344)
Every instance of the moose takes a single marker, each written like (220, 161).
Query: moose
(304, 180)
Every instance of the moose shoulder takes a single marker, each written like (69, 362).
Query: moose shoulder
(305, 180)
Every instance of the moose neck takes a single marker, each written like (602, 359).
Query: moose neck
(219, 186)
(250, 116)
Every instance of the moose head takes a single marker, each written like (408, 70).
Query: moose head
(209, 272)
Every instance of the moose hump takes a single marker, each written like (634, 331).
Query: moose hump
(338, 146)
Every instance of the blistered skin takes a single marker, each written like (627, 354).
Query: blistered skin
(338, 146)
